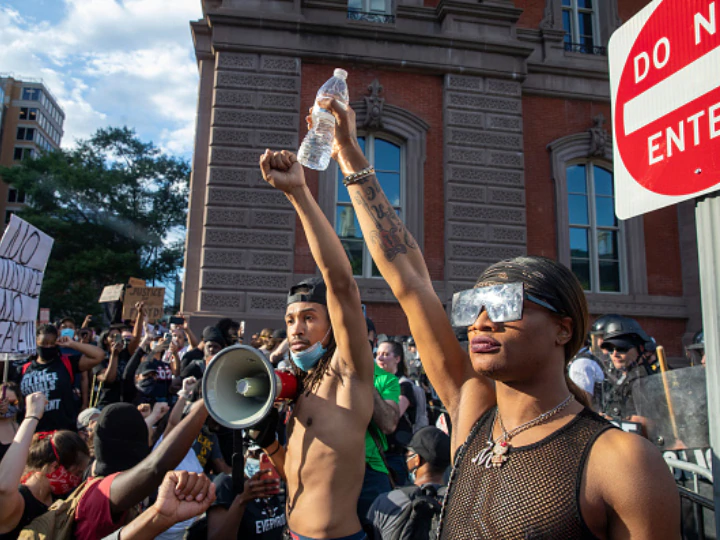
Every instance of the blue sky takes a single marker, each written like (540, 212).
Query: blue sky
(109, 63)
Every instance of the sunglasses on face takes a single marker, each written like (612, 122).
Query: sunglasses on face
(503, 303)
(612, 348)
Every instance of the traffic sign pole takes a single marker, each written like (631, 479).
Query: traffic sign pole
(707, 214)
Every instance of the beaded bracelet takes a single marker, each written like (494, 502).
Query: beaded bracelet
(357, 176)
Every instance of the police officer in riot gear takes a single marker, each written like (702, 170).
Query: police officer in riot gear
(631, 352)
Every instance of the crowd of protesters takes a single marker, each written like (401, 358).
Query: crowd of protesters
(484, 425)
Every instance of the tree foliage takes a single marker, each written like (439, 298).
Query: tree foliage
(112, 204)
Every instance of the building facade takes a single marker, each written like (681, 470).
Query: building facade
(31, 121)
(489, 120)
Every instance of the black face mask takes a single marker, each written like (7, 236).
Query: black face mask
(146, 386)
(47, 353)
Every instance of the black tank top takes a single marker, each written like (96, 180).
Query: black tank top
(535, 494)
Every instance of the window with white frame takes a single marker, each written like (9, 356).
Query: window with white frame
(597, 244)
(580, 22)
(387, 157)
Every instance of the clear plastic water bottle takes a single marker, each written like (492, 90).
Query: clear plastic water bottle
(315, 150)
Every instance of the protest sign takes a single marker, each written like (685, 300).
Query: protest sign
(112, 293)
(24, 251)
(136, 282)
(154, 298)
(44, 317)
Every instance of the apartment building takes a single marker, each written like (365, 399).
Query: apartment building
(31, 121)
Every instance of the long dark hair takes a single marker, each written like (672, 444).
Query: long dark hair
(554, 283)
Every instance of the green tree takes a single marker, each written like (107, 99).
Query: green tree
(112, 204)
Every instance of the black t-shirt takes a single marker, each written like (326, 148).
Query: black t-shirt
(33, 509)
(190, 356)
(263, 519)
(112, 392)
(404, 431)
(56, 382)
(207, 448)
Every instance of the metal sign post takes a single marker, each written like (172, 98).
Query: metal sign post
(707, 215)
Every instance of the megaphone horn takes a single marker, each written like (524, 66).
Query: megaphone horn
(240, 386)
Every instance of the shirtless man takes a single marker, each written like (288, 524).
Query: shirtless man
(324, 461)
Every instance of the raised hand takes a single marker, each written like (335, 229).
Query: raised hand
(258, 487)
(282, 171)
(184, 495)
(188, 385)
(35, 404)
(345, 126)
(160, 409)
(144, 409)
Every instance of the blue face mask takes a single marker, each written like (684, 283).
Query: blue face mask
(307, 359)
(68, 332)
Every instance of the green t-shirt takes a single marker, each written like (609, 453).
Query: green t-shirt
(388, 386)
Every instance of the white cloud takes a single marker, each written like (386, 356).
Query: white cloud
(112, 62)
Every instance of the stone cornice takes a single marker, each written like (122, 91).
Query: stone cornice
(301, 25)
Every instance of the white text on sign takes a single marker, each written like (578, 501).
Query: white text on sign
(674, 92)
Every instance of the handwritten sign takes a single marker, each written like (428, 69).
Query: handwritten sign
(135, 282)
(112, 293)
(154, 298)
(24, 251)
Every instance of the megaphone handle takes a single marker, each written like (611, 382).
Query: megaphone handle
(238, 462)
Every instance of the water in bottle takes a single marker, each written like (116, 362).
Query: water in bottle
(315, 150)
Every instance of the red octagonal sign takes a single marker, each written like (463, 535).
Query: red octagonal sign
(665, 77)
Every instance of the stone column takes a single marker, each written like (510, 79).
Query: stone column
(484, 184)
(248, 227)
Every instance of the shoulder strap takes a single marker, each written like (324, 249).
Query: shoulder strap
(25, 367)
(66, 362)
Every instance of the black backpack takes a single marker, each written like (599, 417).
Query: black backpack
(422, 516)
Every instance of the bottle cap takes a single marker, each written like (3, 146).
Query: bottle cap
(340, 73)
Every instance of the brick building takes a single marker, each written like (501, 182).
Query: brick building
(31, 121)
(487, 118)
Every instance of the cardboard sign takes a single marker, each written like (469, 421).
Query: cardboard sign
(24, 251)
(135, 282)
(665, 93)
(112, 293)
(154, 298)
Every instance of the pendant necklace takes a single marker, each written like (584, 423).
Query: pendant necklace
(495, 454)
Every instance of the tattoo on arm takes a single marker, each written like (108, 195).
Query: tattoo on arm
(393, 240)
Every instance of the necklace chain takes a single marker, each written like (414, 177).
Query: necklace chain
(496, 451)
(507, 435)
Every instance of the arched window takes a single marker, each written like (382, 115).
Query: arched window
(387, 156)
(597, 242)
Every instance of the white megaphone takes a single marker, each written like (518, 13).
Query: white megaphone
(240, 386)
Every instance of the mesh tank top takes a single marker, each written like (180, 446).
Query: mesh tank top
(535, 494)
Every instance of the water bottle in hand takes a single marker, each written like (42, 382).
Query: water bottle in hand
(315, 150)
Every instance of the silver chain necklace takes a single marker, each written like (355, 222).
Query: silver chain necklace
(495, 454)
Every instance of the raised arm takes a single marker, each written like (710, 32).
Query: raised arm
(282, 171)
(137, 328)
(91, 355)
(110, 373)
(401, 263)
(13, 464)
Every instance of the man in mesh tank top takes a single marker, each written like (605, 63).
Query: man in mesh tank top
(530, 459)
